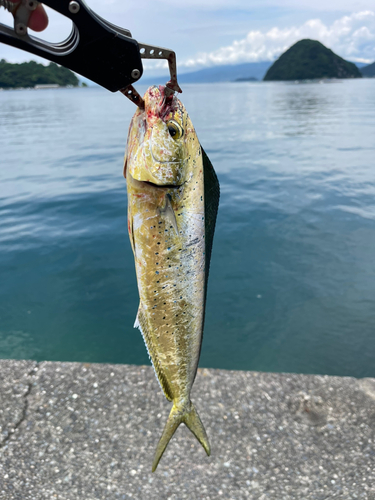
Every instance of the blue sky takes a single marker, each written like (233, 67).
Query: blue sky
(213, 32)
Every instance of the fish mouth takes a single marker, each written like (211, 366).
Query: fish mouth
(162, 186)
(159, 186)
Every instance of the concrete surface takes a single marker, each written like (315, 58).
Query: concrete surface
(73, 431)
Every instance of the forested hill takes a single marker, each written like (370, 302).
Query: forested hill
(309, 59)
(369, 70)
(31, 73)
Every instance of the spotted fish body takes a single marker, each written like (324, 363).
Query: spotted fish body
(173, 196)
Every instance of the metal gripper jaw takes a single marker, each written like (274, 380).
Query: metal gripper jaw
(95, 49)
(153, 52)
(21, 11)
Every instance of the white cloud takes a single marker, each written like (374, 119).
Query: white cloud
(351, 37)
(209, 24)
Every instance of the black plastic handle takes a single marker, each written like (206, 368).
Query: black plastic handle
(96, 49)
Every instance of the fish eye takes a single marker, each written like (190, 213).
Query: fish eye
(175, 130)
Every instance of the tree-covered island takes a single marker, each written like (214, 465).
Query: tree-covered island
(30, 74)
(308, 60)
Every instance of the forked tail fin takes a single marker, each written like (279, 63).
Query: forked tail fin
(189, 416)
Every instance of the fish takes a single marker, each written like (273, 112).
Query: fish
(173, 199)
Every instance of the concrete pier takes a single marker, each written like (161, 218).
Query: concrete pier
(72, 431)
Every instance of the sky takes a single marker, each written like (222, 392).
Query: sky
(213, 32)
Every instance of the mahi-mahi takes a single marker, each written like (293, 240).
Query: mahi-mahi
(173, 198)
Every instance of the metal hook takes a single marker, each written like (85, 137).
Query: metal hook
(153, 52)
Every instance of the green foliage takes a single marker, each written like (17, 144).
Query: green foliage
(369, 71)
(32, 73)
(309, 59)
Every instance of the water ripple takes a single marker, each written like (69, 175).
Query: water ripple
(292, 285)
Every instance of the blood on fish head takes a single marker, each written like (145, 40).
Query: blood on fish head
(157, 140)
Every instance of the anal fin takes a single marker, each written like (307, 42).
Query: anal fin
(141, 324)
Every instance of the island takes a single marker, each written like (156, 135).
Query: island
(246, 79)
(33, 74)
(309, 60)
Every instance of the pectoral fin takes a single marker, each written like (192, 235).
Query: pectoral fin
(168, 213)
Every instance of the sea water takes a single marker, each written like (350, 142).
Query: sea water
(292, 279)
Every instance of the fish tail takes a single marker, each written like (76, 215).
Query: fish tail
(189, 416)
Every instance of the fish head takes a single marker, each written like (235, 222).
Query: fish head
(157, 148)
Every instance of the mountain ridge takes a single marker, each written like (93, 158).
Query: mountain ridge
(369, 70)
(213, 74)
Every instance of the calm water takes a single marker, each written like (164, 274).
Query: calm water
(292, 285)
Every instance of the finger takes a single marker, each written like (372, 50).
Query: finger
(38, 20)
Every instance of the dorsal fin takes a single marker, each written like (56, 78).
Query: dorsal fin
(211, 205)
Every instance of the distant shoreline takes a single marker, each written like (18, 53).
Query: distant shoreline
(45, 87)
(146, 84)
